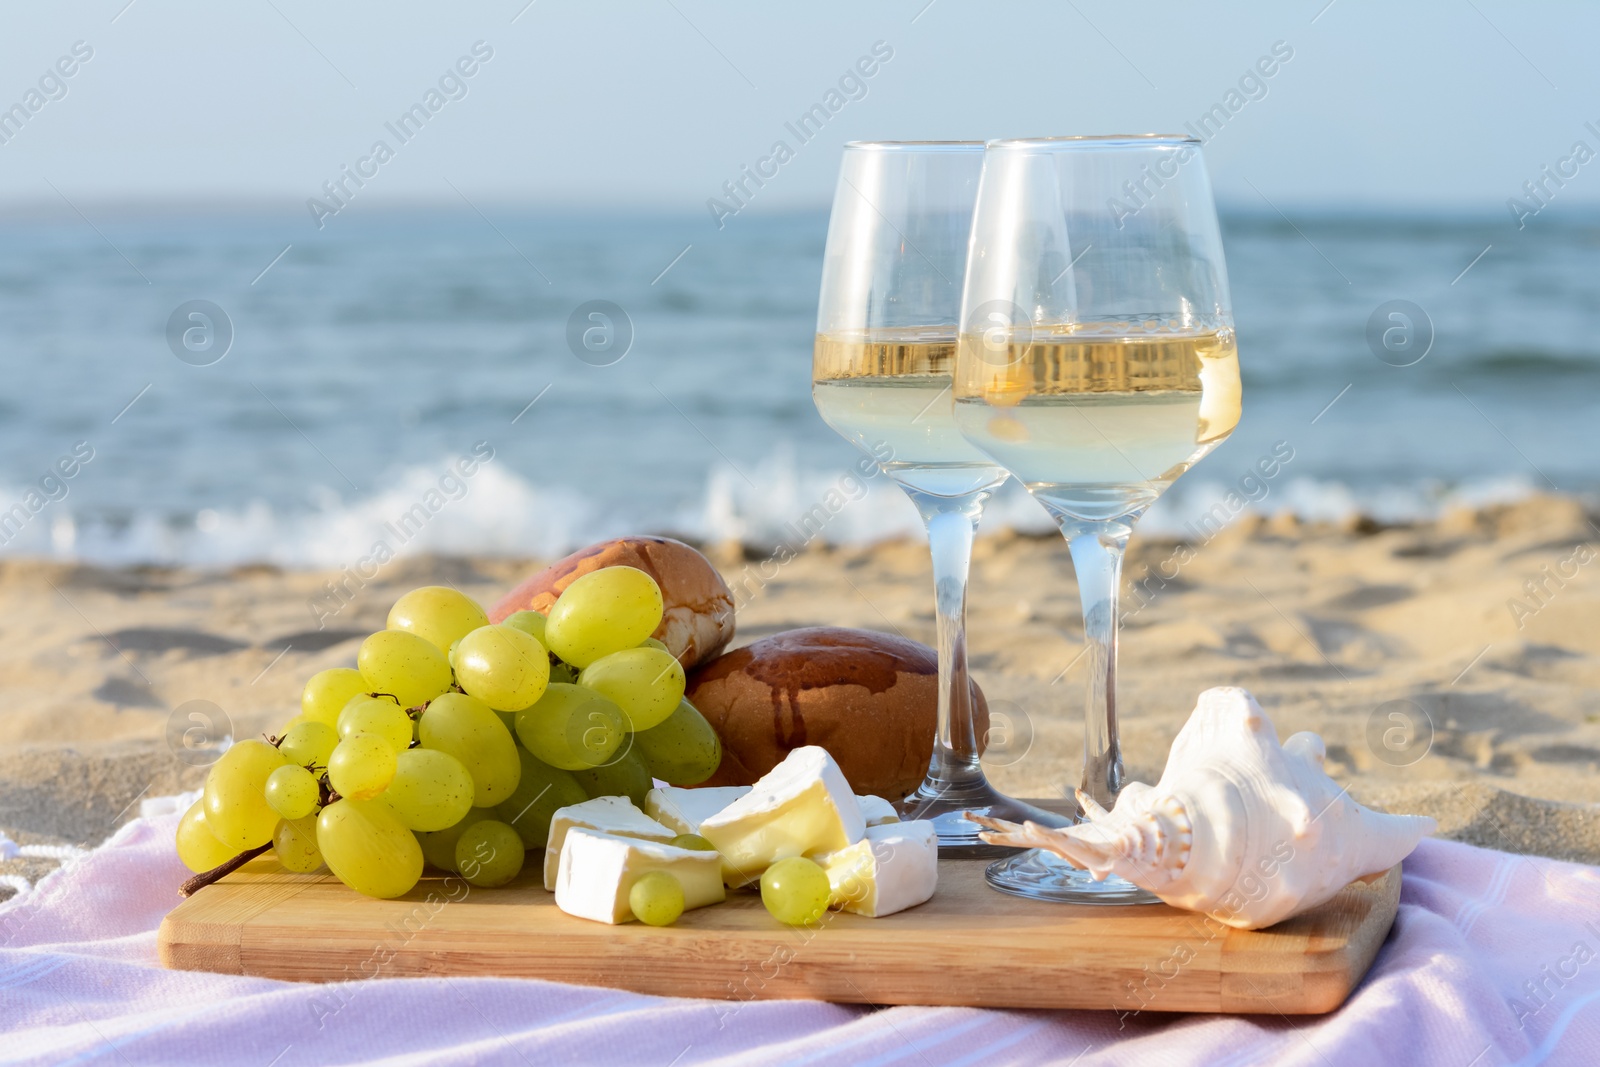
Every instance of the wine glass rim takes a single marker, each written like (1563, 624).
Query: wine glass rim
(1094, 140)
(893, 146)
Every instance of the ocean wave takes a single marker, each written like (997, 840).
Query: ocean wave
(1521, 364)
(775, 502)
(499, 513)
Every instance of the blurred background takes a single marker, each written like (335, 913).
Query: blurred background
(388, 218)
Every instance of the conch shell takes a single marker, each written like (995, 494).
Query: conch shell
(1239, 827)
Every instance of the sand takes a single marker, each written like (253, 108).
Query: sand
(1335, 629)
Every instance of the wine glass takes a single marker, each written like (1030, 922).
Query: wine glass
(1097, 363)
(886, 339)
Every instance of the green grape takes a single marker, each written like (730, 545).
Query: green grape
(295, 842)
(489, 854)
(410, 668)
(431, 789)
(646, 683)
(681, 750)
(624, 775)
(437, 613)
(529, 622)
(692, 842)
(656, 899)
(439, 847)
(509, 718)
(308, 743)
(653, 642)
(572, 727)
(502, 666)
(236, 807)
(361, 767)
(542, 790)
(368, 848)
(602, 612)
(292, 792)
(378, 716)
(327, 692)
(469, 730)
(198, 847)
(795, 891)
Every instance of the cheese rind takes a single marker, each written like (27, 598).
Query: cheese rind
(896, 866)
(597, 870)
(877, 811)
(683, 810)
(610, 815)
(801, 807)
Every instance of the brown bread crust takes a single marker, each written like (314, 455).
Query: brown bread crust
(870, 699)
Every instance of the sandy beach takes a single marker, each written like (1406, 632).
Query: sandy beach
(1337, 629)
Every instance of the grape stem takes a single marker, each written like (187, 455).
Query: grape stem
(200, 881)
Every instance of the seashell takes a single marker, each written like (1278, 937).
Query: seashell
(1239, 827)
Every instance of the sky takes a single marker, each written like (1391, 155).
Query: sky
(654, 104)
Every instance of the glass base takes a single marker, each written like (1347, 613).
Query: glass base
(946, 806)
(1040, 875)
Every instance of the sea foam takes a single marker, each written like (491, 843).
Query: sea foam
(776, 501)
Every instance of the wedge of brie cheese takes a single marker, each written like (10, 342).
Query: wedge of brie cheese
(802, 806)
(876, 810)
(896, 866)
(610, 815)
(683, 810)
(596, 871)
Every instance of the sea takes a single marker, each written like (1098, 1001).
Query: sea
(221, 387)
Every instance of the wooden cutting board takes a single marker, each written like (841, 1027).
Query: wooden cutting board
(969, 945)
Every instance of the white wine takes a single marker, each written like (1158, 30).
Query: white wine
(890, 395)
(910, 413)
(1088, 417)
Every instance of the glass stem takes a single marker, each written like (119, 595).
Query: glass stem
(1097, 549)
(952, 521)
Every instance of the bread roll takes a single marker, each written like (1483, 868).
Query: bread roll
(698, 621)
(870, 699)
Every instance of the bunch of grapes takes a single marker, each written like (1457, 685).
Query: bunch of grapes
(453, 741)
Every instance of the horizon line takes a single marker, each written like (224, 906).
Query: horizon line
(167, 206)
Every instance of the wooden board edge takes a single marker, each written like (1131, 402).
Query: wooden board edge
(1329, 972)
(1362, 951)
(1308, 965)
(186, 944)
